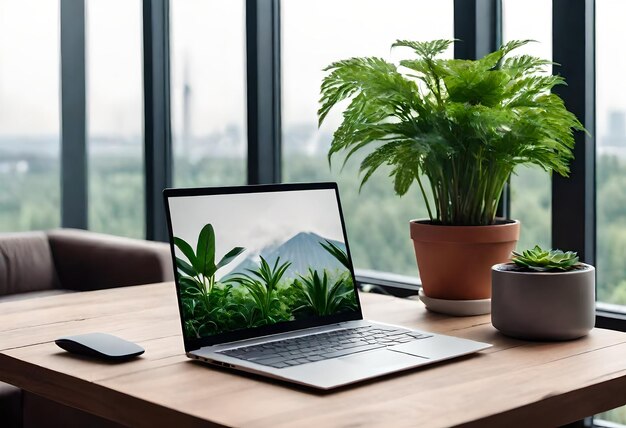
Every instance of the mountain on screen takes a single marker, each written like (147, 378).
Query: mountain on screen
(303, 250)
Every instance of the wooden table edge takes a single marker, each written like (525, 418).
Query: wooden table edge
(106, 403)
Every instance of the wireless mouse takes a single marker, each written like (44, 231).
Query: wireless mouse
(100, 345)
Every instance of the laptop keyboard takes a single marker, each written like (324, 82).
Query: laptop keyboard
(323, 346)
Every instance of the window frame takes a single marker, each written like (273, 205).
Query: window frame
(573, 47)
(73, 112)
(157, 116)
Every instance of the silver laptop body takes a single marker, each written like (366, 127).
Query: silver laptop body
(265, 285)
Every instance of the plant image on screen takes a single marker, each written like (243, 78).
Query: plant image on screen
(304, 276)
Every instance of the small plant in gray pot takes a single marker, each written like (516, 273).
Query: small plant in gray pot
(543, 295)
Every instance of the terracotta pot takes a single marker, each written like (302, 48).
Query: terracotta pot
(455, 261)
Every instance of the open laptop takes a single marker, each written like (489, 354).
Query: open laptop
(265, 285)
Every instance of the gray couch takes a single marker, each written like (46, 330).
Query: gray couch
(36, 264)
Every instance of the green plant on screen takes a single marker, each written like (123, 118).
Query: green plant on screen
(262, 283)
(323, 296)
(203, 298)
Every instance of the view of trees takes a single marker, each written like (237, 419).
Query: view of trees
(29, 200)
(377, 220)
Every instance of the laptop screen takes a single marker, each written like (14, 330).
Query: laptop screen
(251, 260)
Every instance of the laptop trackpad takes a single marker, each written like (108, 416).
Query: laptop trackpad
(439, 347)
(382, 360)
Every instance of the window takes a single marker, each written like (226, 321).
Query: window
(115, 117)
(208, 92)
(29, 115)
(531, 191)
(208, 81)
(611, 162)
(610, 152)
(377, 220)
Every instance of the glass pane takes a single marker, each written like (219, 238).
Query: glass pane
(29, 115)
(611, 161)
(531, 188)
(611, 152)
(208, 92)
(312, 37)
(115, 117)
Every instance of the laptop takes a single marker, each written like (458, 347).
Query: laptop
(265, 285)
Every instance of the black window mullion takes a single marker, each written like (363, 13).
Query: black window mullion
(573, 198)
(157, 125)
(73, 115)
(477, 27)
(263, 90)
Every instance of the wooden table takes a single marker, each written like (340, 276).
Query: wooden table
(515, 383)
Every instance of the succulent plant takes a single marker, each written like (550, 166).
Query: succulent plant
(542, 260)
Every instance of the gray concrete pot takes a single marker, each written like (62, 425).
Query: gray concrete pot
(543, 305)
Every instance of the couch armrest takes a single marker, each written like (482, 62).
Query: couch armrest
(26, 263)
(90, 261)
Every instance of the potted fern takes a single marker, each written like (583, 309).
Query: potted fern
(543, 294)
(457, 129)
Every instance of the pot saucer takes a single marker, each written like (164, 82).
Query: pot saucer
(456, 307)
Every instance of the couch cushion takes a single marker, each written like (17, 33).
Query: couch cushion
(26, 263)
(89, 261)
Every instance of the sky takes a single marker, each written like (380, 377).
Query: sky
(208, 47)
(28, 81)
(256, 220)
(317, 33)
